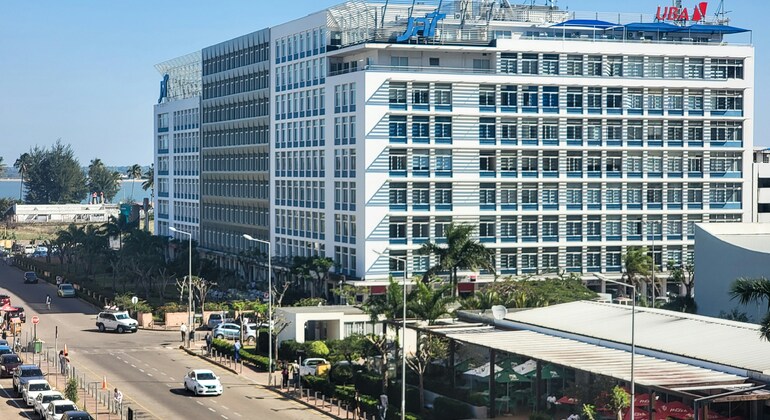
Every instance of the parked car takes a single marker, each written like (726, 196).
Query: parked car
(56, 409)
(6, 349)
(29, 249)
(32, 388)
(66, 290)
(24, 374)
(115, 320)
(5, 300)
(202, 382)
(77, 415)
(310, 365)
(9, 363)
(30, 277)
(43, 399)
(214, 320)
(232, 331)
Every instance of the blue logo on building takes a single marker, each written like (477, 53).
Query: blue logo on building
(163, 88)
(424, 26)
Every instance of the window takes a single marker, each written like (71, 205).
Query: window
(550, 64)
(443, 94)
(420, 127)
(574, 163)
(443, 128)
(529, 130)
(594, 65)
(550, 130)
(674, 163)
(550, 97)
(635, 67)
(634, 194)
(614, 66)
(480, 64)
(550, 161)
(420, 160)
(695, 192)
(487, 161)
(725, 193)
(443, 193)
(614, 98)
(614, 130)
(399, 61)
(397, 228)
(655, 67)
(655, 99)
(397, 193)
(529, 64)
(551, 194)
(529, 161)
(726, 131)
(574, 97)
(421, 193)
(594, 97)
(695, 131)
(594, 194)
(635, 99)
(529, 194)
(508, 96)
(508, 161)
(508, 258)
(634, 131)
(676, 67)
(676, 100)
(486, 96)
(529, 228)
(655, 130)
(508, 130)
(508, 63)
(675, 130)
(727, 100)
(420, 94)
(529, 260)
(695, 100)
(529, 96)
(508, 194)
(575, 65)
(487, 129)
(487, 228)
(397, 160)
(574, 194)
(574, 228)
(654, 193)
(695, 68)
(574, 259)
(695, 164)
(487, 193)
(396, 126)
(674, 193)
(574, 130)
(443, 160)
(397, 94)
(725, 162)
(433, 61)
(725, 68)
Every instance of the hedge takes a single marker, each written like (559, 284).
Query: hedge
(347, 395)
(449, 409)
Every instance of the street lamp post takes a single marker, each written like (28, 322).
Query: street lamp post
(269, 307)
(403, 340)
(189, 284)
(651, 229)
(633, 330)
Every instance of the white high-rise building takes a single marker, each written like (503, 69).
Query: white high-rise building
(177, 146)
(563, 140)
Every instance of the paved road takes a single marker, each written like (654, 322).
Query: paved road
(147, 366)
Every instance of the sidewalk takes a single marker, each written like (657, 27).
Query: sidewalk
(330, 407)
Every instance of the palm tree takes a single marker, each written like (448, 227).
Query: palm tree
(460, 253)
(754, 291)
(2, 166)
(429, 304)
(22, 164)
(134, 172)
(637, 265)
(149, 181)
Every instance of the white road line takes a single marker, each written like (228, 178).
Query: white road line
(225, 408)
(155, 369)
(212, 410)
(133, 366)
(169, 385)
(16, 403)
(238, 414)
(141, 370)
(224, 416)
(199, 402)
(149, 374)
(125, 361)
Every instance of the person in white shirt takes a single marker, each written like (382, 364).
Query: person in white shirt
(118, 399)
(183, 330)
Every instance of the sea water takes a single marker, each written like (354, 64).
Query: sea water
(10, 188)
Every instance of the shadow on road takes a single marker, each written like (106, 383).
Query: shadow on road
(180, 391)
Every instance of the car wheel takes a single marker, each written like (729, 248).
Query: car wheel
(220, 336)
(101, 327)
(121, 330)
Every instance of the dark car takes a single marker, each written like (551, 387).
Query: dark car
(30, 277)
(8, 363)
(76, 415)
(24, 374)
(5, 300)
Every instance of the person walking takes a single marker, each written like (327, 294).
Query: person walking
(237, 350)
(66, 363)
(118, 400)
(208, 343)
(183, 330)
(285, 375)
(61, 361)
(48, 301)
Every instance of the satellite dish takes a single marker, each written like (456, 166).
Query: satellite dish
(499, 312)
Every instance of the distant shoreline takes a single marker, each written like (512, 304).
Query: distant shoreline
(120, 180)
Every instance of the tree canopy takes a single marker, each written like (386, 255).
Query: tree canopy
(53, 176)
(103, 180)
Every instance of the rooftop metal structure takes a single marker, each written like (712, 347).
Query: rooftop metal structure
(184, 76)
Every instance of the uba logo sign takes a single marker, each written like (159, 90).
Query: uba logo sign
(682, 14)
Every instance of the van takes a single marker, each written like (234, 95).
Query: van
(29, 249)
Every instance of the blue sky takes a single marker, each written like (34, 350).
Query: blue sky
(83, 70)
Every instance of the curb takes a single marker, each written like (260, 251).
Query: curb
(213, 362)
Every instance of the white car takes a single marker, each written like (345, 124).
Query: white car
(56, 409)
(309, 366)
(115, 320)
(32, 388)
(202, 382)
(43, 399)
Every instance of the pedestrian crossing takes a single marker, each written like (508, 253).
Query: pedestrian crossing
(98, 351)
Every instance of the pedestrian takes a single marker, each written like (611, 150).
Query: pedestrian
(48, 301)
(66, 363)
(285, 376)
(357, 406)
(4, 334)
(294, 370)
(183, 330)
(118, 398)
(61, 361)
(208, 343)
(237, 351)
(383, 406)
(58, 280)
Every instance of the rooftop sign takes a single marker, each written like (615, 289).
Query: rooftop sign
(673, 13)
(424, 26)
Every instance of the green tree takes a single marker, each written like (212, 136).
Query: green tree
(528, 293)
(460, 253)
(429, 304)
(22, 165)
(134, 172)
(349, 348)
(71, 390)
(316, 269)
(619, 400)
(429, 349)
(149, 181)
(483, 299)
(103, 180)
(754, 290)
(637, 265)
(317, 349)
(54, 176)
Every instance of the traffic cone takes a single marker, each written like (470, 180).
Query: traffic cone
(104, 382)
(65, 349)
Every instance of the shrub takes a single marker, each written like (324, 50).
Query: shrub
(477, 399)
(71, 390)
(226, 347)
(539, 416)
(369, 384)
(449, 409)
(317, 349)
(341, 374)
(288, 349)
(412, 397)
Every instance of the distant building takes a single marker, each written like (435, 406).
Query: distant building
(723, 253)
(63, 213)
(761, 180)
(177, 146)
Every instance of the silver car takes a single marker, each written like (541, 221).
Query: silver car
(232, 331)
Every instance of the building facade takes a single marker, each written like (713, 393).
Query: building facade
(177, 146)
(563, 143)
(761, 179)
(235, 148)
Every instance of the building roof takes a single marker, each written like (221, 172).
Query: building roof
(712, 340)
(750, 236)
(585, 23)
(345, 309)
(713, 29)
(648, 371)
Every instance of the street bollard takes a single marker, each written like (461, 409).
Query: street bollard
(315, 399)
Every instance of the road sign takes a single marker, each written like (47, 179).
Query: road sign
(35, 320)
(134, 300)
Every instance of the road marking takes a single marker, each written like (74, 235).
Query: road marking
(224, 416)
(141, 370)
(225, 408)
(199, 402)
(149, 374)
(238, 414)
(16, 403)
(212, 410)
(133, 366)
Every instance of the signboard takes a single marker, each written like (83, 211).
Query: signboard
(35, 320)
(134, 300)
(673, 13)
(424, 26)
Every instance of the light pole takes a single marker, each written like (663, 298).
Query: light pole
(403, 340)
(633, 330)
(189, 284)
(651, 229)
(269, 307)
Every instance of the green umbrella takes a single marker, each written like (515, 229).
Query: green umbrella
(548, 372)
(507, 375)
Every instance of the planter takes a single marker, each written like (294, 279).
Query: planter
(144, 319)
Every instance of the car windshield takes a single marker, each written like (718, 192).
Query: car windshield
(39, 387)
(121, 316)
(65, 287)
(63, 408)
(205, 376)
(11, 359)
(5, 350)
(31, 372)
(29, 275)
(49, 398)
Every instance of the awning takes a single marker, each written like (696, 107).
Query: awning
(651, 27)
(567, 400)
(585, 23)
(712, 29)
(483, 371)
(7, 308)
(378, 290)
(676, 409)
